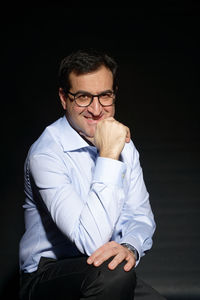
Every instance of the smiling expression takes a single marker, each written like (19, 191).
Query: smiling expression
(85, 119)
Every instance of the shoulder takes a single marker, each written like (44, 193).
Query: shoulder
(48, 143)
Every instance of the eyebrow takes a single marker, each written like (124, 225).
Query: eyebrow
(86, 92)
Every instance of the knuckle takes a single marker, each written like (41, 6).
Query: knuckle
(114, 250)
(113, 243)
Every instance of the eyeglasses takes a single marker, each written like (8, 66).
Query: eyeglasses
(84, 99)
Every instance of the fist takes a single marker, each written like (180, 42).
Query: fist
(110, 138)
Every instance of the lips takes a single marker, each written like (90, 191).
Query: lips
(93, 119)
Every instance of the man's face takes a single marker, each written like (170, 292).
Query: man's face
(85, 119)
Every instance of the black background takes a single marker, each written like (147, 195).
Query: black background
(157, 48)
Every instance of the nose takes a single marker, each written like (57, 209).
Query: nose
(95, 107)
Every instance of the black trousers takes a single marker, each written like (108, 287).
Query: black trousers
(74, 279)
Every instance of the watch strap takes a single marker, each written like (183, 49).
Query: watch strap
(132, 249)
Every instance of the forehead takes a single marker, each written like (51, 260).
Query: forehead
(98, 80)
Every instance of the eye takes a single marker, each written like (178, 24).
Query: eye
(106, 95)
(83, 97)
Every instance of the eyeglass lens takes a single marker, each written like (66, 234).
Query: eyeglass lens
(85, 99)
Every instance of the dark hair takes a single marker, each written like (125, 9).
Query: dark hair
(83, 62)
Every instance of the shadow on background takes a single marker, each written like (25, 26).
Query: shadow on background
(157, 48)
(10, 289)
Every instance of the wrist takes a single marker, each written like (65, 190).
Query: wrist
(116, 157)
(109, 154)
(132, 249)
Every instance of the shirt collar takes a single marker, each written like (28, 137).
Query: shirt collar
(69, 138)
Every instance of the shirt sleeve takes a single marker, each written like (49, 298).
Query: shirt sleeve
(136, 224)
(90, 222)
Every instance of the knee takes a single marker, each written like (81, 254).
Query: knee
(104, 281)
(119, 278)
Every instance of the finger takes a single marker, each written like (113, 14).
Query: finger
(116, 261)
(95, 254)
(102, 250)
(130, 263)
(110, 119)
(105, 255)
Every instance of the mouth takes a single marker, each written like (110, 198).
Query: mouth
(93, 119)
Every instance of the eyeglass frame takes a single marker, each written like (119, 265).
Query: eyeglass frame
(92, 97)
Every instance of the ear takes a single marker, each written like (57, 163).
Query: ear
(63, 98)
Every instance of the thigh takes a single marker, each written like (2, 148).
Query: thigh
(143, 291)
(74, 279)
(56, 279)
(101, 283)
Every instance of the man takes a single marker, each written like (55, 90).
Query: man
(87, 213)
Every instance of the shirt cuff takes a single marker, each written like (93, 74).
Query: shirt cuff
(109, 171)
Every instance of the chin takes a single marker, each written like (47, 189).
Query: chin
(90, 134)
(90, 131)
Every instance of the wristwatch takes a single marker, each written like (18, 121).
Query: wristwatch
(132, 249)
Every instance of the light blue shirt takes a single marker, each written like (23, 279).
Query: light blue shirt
(76, 201)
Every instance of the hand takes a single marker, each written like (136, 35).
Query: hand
(111, 249)
(110, 138)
